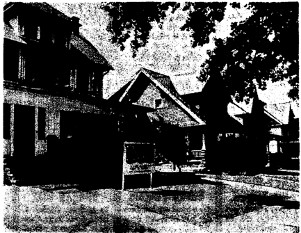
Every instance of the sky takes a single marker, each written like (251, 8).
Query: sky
(168, 50)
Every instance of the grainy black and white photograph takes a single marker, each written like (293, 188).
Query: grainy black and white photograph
(151, 116)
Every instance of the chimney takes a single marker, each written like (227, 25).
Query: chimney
(75, 25)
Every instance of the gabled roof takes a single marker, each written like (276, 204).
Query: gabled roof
(277, 113)
(281, 111)
(174, 114)
(213, 98)
(134, 89)
(117, 95)
(164, 80)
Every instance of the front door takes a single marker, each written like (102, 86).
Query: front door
(24, 131)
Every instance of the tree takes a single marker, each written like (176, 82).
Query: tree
(137, 18)
(263, 47)
(202, 20)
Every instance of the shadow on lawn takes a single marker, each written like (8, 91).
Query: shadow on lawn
(242, 204)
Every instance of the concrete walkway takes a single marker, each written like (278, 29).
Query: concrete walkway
(285, 185)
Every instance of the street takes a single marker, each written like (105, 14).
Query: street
(205, 207)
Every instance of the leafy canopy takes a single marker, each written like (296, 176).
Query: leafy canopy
(263, 47)
(137, 18)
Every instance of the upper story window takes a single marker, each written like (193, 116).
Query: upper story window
(14, 63)
(58, 37)
(73, 79)
(30, 31)
(41, 123)
(93, 85)
(39, 33)
(158, 103)
(6, 121)
(91, 81)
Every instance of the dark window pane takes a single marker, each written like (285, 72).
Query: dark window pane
(11, 62)
(41, 123)
(6, 121)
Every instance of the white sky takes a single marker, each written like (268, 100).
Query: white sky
(168, 50)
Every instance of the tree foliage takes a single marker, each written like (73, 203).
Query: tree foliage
(202, 19)
(263, 47)
(134, 17)
(137, 17)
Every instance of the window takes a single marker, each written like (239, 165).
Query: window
(11, 60)
(41, 123)
(158, 103)
(39, 33)
(6, 121)
(31, 31)
(21, 68)
(91, 85)
(14, 63)
(73, 79)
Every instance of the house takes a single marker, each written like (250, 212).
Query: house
(224, 135)
(153, 113)
(193, 126)
(277, 126)
(244, 139)
(53, 105)
(284, 141)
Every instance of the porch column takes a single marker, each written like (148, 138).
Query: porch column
(12, 129)
(203, 143)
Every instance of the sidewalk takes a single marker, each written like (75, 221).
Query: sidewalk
(287, 185)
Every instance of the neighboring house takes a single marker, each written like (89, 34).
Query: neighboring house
(284, 144)
(281, 128)
(223, 133)
(53, 104)
(200, 122)
(154, 113)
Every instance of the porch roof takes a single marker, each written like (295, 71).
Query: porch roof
(172, 116)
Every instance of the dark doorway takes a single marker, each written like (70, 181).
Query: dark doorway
(24, 128)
